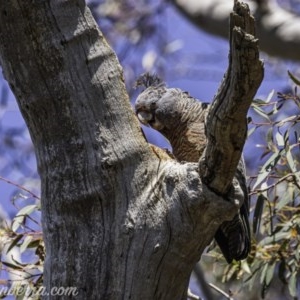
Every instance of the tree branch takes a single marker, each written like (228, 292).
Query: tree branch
(277, 29)
(226, 122)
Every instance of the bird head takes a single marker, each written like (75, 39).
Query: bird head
(147, 104)
(155, 105)
(148, 101)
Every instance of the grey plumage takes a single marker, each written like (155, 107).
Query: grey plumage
(181, 119)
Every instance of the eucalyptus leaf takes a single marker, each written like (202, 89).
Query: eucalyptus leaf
(14, 242)
(270, 96)
(21, 215)
(279, 139)
(258, 211)
(275, 238)
(261, 112)
(27, 210)
(25, 243)
(292, 284)
(12, 266)
(263, 273)
(270, 273)
(294, 79)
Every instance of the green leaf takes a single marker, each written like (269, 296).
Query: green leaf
(267, 168)
(270, 96)
(245, 266)
(286, 120)
(34, 244)
(281, 271)
(27, 210)
(21, 215)
(258, 102)
(290, 160)
(251, 130)
(14, 242)
(17, 262)
(260, 178)
(25, 243)
(297, 176)
(258, 211)
(293, 284)
(231, 271)
(294, 79)
(274, 110)
(263, 273)
(264, 290)
(297, 252)
(16, 223)
(275, 238)
(270, 273)
(279, 139)
(272, 161)
(285, 198)
(270, 140)
(260, 112)
(286, 137)
(11, 266)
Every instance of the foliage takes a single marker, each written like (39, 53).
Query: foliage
(275, 193)
(22, 249)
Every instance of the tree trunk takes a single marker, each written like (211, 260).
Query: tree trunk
(119, 221)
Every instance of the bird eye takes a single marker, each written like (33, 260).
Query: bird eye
(153, 104)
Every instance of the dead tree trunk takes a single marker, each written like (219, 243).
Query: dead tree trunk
(119, 222)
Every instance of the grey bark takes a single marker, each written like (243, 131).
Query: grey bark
(226, 121)
(119, 222)
(277, 28)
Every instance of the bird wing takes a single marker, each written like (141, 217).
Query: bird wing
(234, 237)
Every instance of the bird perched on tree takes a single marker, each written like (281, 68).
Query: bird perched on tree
(181, 119)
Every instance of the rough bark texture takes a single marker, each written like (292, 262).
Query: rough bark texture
(119, 222)
(277, 28)
(226, 122)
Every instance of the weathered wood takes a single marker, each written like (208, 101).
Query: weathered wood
(226, 122)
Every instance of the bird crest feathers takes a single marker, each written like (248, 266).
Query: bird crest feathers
(148, 80)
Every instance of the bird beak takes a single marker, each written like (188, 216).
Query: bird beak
(144, 117)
